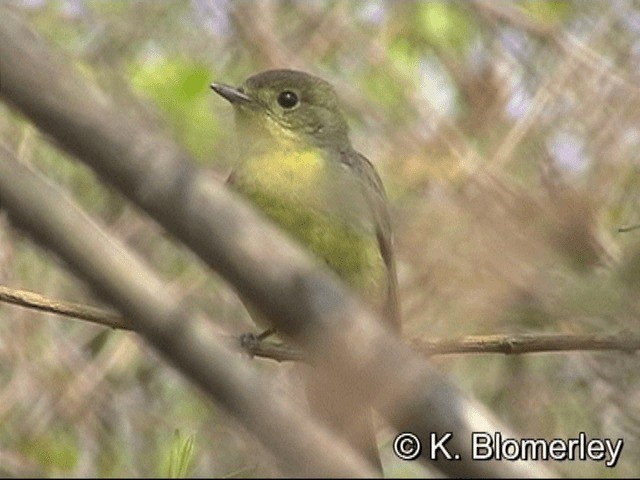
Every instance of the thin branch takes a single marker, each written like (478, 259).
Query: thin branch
(80, 311)
(508, 344)
(628, 229)
(516, 344)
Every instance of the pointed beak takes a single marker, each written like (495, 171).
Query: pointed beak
(232, 94)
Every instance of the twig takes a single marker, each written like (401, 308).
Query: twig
(508, 344)
(515, 344)
(628, 229)
(80, 311)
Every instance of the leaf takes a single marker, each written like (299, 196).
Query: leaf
(180, 456)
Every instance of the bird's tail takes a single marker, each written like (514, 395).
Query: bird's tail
(343, 412)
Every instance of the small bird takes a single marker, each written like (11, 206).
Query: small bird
(297, 165)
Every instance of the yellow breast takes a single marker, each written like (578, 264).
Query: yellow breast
(294, 190)
(290, 173)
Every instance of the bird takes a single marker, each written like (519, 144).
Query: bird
(297, 165)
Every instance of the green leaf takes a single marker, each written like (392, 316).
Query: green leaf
(180, 456)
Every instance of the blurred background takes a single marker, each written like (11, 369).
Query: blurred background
(507, 135)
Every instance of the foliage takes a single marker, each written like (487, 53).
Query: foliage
(180, 456)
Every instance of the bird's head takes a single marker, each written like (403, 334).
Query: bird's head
(287, 106)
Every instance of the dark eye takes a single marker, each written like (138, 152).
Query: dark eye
(287, 99)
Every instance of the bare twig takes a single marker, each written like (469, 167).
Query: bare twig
(80, 311)
(630, 228)
(508, 344)
(515, 344)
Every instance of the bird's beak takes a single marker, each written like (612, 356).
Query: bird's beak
(232, 94)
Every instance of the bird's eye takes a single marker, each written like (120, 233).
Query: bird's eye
(288, 99)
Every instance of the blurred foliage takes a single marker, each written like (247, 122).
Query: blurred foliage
(507, 136)
(553, 12)
(444, 25)
(180, 89)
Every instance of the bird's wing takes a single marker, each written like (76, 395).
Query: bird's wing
(376, 199)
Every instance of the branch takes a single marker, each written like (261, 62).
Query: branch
(508, 344)
(516, 344)
(629, 228)
(80, 311)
